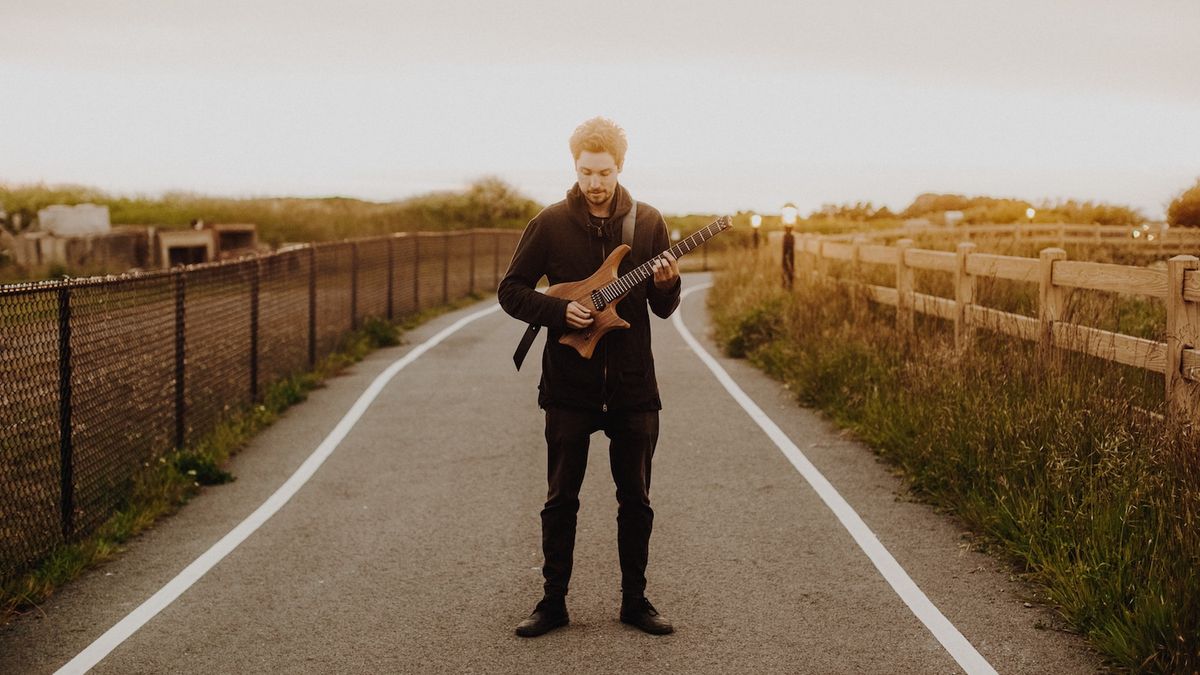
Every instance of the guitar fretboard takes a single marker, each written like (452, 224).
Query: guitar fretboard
(628, 281)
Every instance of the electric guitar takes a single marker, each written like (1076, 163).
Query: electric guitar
(601, 292)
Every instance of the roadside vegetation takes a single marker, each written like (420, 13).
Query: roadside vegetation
(1066, 469)
(487, 202)
(1184, 210)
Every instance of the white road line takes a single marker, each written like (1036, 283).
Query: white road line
(191, 574)
(945, 632)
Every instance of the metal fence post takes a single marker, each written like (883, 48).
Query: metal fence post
(66, 444)
(354, 285)
(180, 333)
(312, 306)
(256, 273)
(445, 268)
(416, 271)
(495, 260)
(391, 272)
(471, 288)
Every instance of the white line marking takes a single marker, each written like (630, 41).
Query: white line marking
(945, 632)
(191, 574)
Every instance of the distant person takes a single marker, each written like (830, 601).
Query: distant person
(615, 391)
(789, 257)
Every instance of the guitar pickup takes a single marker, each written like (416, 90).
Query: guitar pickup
(598, 301)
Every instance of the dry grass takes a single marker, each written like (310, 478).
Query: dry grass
(1059, 467)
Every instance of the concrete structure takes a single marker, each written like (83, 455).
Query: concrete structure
(232, 240)
(73, 221)
(215, 241)
(185, 247)
(126, 247)
(123, 248)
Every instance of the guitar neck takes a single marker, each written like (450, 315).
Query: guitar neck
(628, 281)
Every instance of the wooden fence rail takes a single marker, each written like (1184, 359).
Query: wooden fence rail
(1157, 237)
(1178, 286)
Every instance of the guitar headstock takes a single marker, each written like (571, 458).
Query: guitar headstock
(723, 223)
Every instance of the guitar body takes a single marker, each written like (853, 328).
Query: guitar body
(605, 320)
(595, 291)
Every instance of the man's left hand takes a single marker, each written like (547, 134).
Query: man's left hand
(666, 271)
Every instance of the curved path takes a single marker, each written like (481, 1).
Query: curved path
(415, 547)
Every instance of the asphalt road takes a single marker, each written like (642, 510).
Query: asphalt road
(416, 546)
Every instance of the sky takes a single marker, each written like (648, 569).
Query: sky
(727, 106)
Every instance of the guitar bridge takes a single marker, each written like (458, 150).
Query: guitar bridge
(598, 301)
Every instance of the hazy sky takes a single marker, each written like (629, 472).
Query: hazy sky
(727, 105)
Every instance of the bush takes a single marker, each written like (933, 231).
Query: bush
(1185, 210)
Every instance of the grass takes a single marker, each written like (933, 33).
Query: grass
(166, 484)
(1052, 461)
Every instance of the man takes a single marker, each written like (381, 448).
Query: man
(615, 391)
(789, 257)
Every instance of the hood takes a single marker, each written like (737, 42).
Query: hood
(577, 207)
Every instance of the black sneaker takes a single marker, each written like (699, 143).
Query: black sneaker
(638, 612)
(549, 614)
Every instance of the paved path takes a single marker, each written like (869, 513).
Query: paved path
(415, 547)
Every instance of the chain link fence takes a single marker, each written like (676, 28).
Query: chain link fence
(100, 376)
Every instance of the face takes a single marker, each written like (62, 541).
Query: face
(597, 176)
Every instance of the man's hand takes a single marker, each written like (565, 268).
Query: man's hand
(666, 271)
(578, 316)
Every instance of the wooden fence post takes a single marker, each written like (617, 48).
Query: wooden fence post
(1183, 331)
(802, 258)
(856, 271)
(904, 288)
(822, 261)
(1050, 299)
(964, 297)
(1062, 235)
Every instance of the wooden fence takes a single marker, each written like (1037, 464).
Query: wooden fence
(1152, 237)
(1178, 286)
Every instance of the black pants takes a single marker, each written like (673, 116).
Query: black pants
(633, 436)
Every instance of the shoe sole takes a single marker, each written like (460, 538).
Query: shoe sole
(644, 629)
(532, 633)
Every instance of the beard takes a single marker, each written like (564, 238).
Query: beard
(599, 197)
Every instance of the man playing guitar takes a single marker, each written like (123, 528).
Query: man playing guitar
(615, 390)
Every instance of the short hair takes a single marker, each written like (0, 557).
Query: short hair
(600, 134)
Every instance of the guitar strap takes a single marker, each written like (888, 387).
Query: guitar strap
(627, 228)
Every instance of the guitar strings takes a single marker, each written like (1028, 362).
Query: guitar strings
(629, 280)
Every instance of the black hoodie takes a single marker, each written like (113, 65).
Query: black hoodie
(562, 244)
